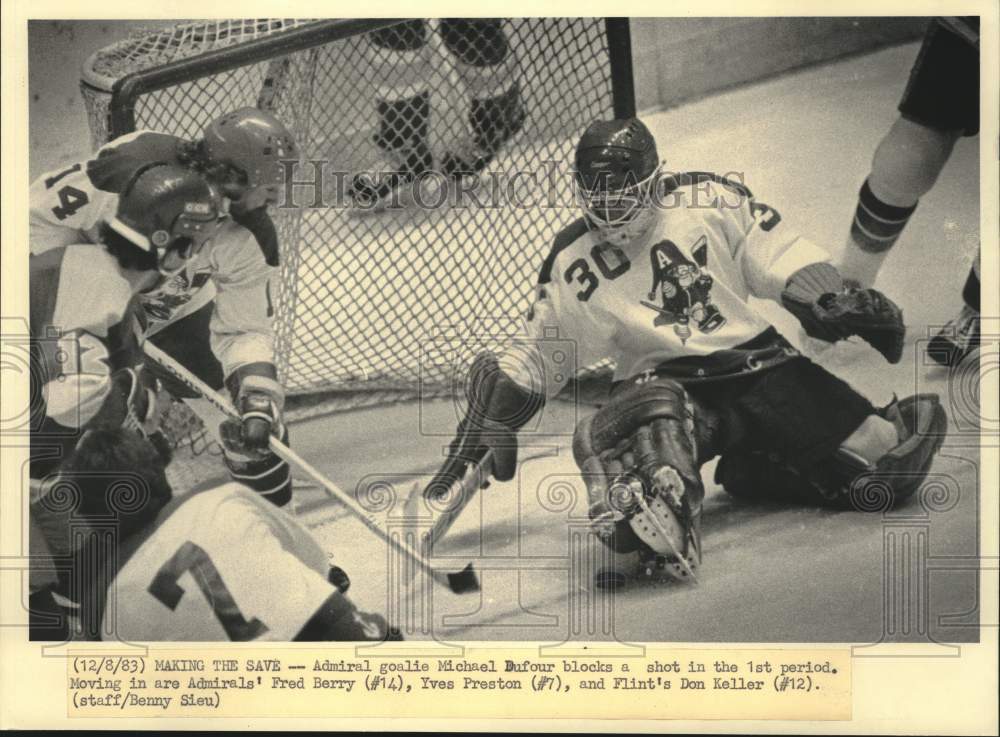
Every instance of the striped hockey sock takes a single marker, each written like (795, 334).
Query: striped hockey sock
(874, 230)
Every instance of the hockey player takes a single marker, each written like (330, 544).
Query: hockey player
(940, 106)
(730, 386)
(215, 315)
(215, 564)
(86, 329)
(488, 68)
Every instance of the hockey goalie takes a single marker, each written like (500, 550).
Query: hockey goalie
(657, 275)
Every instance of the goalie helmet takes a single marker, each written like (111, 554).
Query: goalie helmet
(253, 141)
(616, 167)
(165, 207)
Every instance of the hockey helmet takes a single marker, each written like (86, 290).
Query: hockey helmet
(253, 141)
(163, 203)
(616, 167)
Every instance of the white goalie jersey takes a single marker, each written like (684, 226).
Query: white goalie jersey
(679, 290)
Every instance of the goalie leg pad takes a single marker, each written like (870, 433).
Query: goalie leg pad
(843, 480)
(638, 457)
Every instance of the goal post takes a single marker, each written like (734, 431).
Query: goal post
(363, 294)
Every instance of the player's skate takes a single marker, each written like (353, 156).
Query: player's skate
(956, 340)
(493, 122)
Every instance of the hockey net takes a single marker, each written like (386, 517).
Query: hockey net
(376, 306)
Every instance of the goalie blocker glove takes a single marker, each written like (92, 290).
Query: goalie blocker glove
(831, 309)
(497, 408)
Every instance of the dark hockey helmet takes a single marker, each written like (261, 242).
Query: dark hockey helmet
(165, 207)
(253, 141)
(615, 169)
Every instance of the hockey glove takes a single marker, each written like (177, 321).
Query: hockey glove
(497, 409)
(831, 309)
(259, 399)
(132, 402)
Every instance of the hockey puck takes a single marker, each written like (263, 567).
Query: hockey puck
(610, 579)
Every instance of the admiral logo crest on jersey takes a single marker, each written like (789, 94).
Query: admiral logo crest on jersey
(684, 289)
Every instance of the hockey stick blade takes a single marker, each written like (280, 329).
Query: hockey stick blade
(464, 582)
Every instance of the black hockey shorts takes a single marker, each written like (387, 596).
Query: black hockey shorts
(188, 341)
(943, 90)
(796, 414)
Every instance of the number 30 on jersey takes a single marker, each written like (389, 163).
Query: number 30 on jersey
(610, 260)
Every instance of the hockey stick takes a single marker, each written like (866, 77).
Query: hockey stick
(468, 485)
(476, 476)
(465, 581)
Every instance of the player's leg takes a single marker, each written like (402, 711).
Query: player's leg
(398, 57)
(905, 167)
(961, 336)
(488, 67)
(811, 438)
(940, 105)
(188, 341)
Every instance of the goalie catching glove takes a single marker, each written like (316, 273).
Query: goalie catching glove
(637, 456)
(831, 309)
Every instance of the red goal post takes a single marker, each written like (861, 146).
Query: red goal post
(362, 294)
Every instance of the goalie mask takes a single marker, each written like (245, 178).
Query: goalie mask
(252, 141)
(615, 169)
(170, 211)
(638, 459)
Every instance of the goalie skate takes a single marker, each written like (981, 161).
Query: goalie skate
(668, 527)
